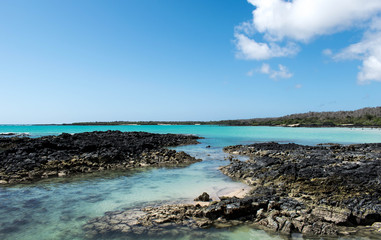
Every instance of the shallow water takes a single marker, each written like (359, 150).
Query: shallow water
(57, 208)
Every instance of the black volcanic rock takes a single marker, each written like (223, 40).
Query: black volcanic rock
(325, 190)
(204, 197)
(26, 159)
(338, 185)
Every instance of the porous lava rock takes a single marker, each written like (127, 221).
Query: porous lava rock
(25, 159)
(324, 190)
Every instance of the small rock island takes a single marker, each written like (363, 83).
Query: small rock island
(25, 159)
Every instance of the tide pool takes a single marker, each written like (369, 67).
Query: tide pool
(57, 208)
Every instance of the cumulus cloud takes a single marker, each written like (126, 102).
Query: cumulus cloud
(368, 50)
(283, 24)
(304, 19)
(282, 72)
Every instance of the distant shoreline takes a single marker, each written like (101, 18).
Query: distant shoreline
(216, 124)
(202, 124)
(361, 118)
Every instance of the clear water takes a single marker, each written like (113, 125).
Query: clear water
(57, 208)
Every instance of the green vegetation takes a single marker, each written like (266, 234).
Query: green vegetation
(365, 117)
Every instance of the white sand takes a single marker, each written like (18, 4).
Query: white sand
(239, 192)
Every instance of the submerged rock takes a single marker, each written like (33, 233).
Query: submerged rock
(11, 134)
(28, 159)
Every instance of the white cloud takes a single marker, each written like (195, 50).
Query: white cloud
(284, 23)
(250, 49)
(369, 51)
(246, 27)
(298, 86)
(265, 68)
(283, 72)
(304, 19)
(327, 52)
(370, 70)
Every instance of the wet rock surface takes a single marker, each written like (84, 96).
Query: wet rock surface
(335, 185)
(167, 220)
(326, 190)
(28, 159)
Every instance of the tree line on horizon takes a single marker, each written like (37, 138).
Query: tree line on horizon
(367, 117)
(362, 117)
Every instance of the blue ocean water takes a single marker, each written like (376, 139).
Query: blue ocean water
(221, 135)
(57, 208)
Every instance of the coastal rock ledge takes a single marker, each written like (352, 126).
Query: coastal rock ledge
(337, 188)
(327, 190)
(29, 159)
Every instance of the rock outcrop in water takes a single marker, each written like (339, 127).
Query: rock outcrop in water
(334, 185)
(29, 159)
(322, 190)
(204, 197)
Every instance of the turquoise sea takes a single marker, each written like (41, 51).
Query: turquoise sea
(57, 208)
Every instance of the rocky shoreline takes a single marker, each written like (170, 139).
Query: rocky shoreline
(333, 185)
(25, 159)
(326, 190)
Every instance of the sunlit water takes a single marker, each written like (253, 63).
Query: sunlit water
(57, 208)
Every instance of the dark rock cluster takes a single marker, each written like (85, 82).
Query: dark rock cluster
(10, 134)
(338, 185)
(28, 159)
(324, 190)
(284, 215)
(204, 197)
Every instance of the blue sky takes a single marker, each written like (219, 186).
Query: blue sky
(70, 61)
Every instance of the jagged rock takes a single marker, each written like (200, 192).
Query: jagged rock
(204, 197)
(332, 214)
(336, 185)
